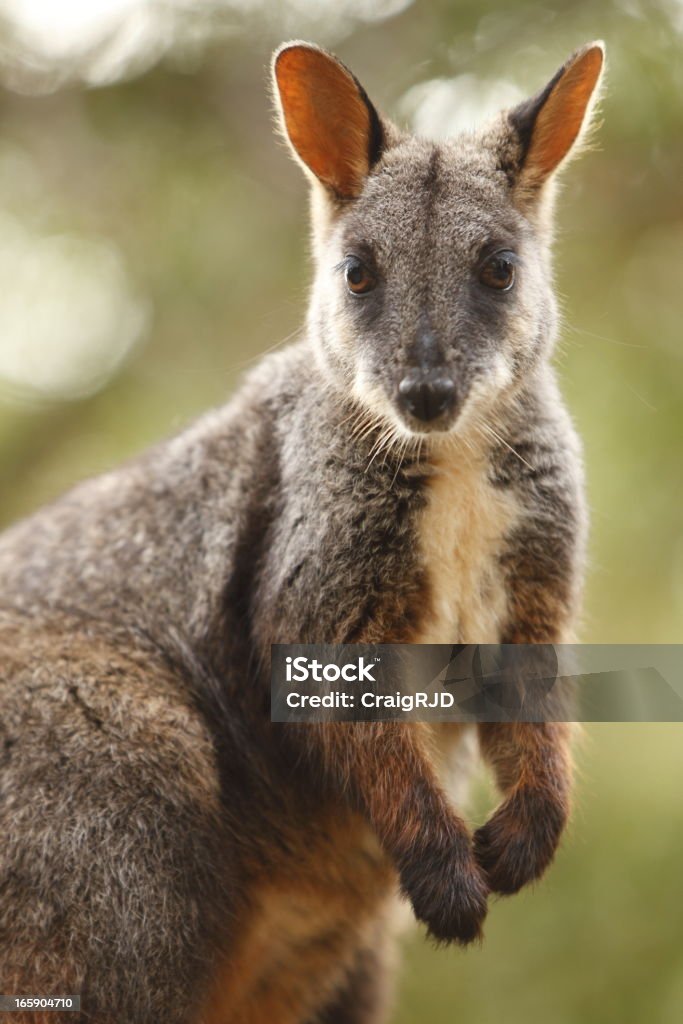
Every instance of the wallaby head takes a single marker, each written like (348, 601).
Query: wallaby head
(433, 297)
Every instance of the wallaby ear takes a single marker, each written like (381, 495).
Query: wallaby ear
(331, 124)
(550, 123)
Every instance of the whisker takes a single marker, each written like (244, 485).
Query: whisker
(502, 441)
(379, 445)
(242, 363)
(418, 456)
(374, 424)
(641, 398)
(601, 337)
(408, 441)
(394, 437)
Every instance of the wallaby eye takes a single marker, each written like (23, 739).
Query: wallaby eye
(498, 271)
(359, 279)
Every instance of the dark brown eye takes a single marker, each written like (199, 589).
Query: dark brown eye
(498, 272)
(359, 280)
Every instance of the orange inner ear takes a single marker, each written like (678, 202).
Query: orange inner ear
(326, 117)
(559, 122)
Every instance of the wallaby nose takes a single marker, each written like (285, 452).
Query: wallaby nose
(425, 398)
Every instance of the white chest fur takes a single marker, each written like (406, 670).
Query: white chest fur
(462, 535)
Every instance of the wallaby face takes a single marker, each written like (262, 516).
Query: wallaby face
(433, 292)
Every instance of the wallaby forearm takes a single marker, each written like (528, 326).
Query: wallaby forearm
(532, 761)
(385, 771)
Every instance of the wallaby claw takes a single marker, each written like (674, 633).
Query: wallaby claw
(518, 842)
(450, 899)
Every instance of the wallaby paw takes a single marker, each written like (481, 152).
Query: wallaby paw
(449, 895)
(519, 841)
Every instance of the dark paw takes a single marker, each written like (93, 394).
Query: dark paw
(448, 893)
(519, 841)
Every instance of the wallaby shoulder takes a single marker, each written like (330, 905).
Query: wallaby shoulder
(153, 540)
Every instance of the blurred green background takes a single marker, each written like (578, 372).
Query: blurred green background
(153, 242)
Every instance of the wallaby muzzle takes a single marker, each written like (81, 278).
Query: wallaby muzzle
(426, 396)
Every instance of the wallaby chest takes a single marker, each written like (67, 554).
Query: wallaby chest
(462, 531)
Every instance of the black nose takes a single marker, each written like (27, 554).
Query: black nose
(426, 397)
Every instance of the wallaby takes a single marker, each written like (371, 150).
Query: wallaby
(404, 473)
